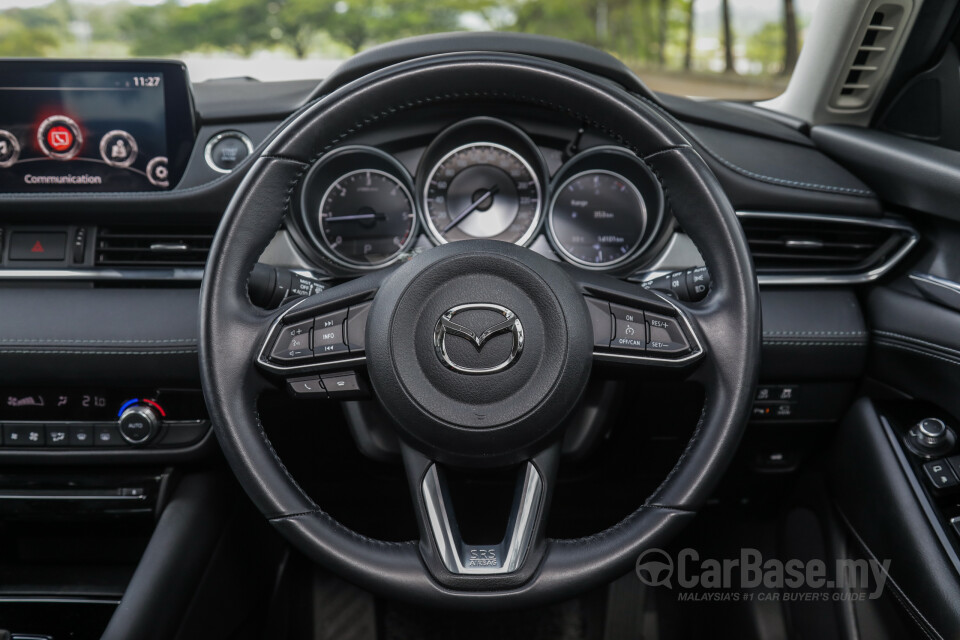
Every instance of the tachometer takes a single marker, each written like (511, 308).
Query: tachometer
(358, 209)
(366, 217)
(490, 189)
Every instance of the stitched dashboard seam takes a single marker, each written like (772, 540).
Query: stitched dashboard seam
(813, 343)
(796, 184)
(128, 352)
(814, 333)
(911, 339)
(95, 341)
(903, 347)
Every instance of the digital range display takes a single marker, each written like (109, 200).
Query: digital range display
(82, 130)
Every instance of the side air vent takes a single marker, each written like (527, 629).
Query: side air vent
(867, 65)
(813, 248)
(152, 246)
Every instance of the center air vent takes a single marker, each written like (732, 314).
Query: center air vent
(153, 246)
(814, 248)
(868, 63)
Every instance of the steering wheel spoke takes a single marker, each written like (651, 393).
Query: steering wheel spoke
(443, 544)
(636, 327)
(321, 339)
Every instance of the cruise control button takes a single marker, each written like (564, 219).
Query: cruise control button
(666, 335)
(23, 435)
(328, 334)
(602, 321)
(341, 385)
(629, 330)
(357, 326)
(307, 388)
(940, 474)
(293, 344)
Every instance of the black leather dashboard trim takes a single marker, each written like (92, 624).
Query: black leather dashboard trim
(909, 173)
(90, 336)
(803, 179)
(737, 116)
(812, 334)
(236, 100)
(575, 54)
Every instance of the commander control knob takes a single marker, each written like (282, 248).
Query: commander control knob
(932, 431)
(930, 438)
(138, 424)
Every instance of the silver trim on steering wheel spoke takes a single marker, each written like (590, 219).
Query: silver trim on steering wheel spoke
(503, 557)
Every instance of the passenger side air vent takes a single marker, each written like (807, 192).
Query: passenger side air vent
(816, 248)
(152, 246)
(867, 64)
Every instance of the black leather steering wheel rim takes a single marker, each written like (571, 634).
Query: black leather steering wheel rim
(729, 318)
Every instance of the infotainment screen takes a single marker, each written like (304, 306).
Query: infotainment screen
(81, 126)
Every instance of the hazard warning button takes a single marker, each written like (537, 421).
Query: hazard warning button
(30, 245)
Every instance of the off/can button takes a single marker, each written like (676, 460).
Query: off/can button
(630, 332)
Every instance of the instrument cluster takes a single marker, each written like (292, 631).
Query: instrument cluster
(481, 178)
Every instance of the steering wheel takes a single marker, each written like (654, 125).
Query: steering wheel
(479, 350)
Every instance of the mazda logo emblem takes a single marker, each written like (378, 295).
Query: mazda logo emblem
(447, 327)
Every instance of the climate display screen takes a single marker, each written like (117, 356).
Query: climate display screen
(75, 127)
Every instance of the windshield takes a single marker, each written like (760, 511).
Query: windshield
(735, 49)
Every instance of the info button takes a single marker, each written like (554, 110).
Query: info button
(27, 245)
(328, 334)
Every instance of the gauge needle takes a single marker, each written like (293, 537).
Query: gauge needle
(357, 217)
(473, 207)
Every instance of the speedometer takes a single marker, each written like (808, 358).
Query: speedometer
(482, 190)
(482, 178)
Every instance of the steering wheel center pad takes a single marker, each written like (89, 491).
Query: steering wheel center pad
(490, 418)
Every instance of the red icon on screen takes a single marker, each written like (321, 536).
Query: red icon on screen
(59, 138)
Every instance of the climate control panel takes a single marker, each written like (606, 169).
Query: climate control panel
(83, 419)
